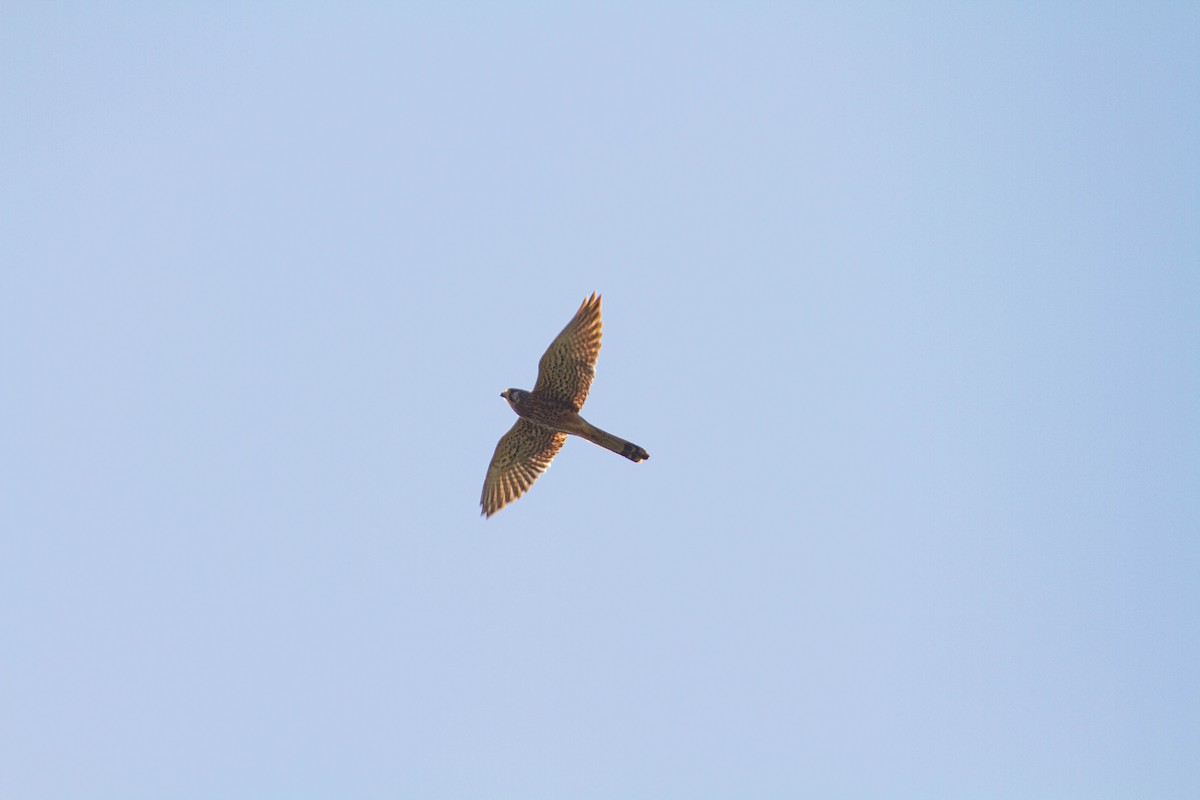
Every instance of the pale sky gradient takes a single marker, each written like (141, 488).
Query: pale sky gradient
(904, 301)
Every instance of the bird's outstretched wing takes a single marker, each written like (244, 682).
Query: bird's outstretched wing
(566, 370)
(521, 456)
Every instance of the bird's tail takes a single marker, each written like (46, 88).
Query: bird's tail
(614, 443)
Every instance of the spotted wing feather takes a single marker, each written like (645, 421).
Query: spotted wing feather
(568, 366)
(521, 456)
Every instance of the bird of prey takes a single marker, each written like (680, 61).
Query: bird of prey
(551, 411)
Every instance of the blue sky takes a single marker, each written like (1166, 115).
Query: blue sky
(902, 301)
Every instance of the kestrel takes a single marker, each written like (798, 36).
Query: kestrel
(550, 412)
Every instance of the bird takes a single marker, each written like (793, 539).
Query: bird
(551, 411)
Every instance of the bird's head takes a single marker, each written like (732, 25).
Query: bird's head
(514, 396)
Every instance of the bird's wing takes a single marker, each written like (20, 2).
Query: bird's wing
(566, 370)
(521, 456)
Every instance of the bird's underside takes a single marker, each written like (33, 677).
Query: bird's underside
(551, 411)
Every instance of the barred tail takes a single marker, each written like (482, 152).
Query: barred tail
(614, 443)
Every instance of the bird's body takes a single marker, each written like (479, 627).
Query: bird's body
(561, 418)
(551, 411)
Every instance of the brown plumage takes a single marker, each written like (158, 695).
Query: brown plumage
(550, 412)
(521, 455)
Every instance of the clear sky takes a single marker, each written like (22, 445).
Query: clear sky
(904, 301)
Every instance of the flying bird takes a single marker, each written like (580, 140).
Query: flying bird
(551, 411)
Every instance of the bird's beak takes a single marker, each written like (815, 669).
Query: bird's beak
(502, 394)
